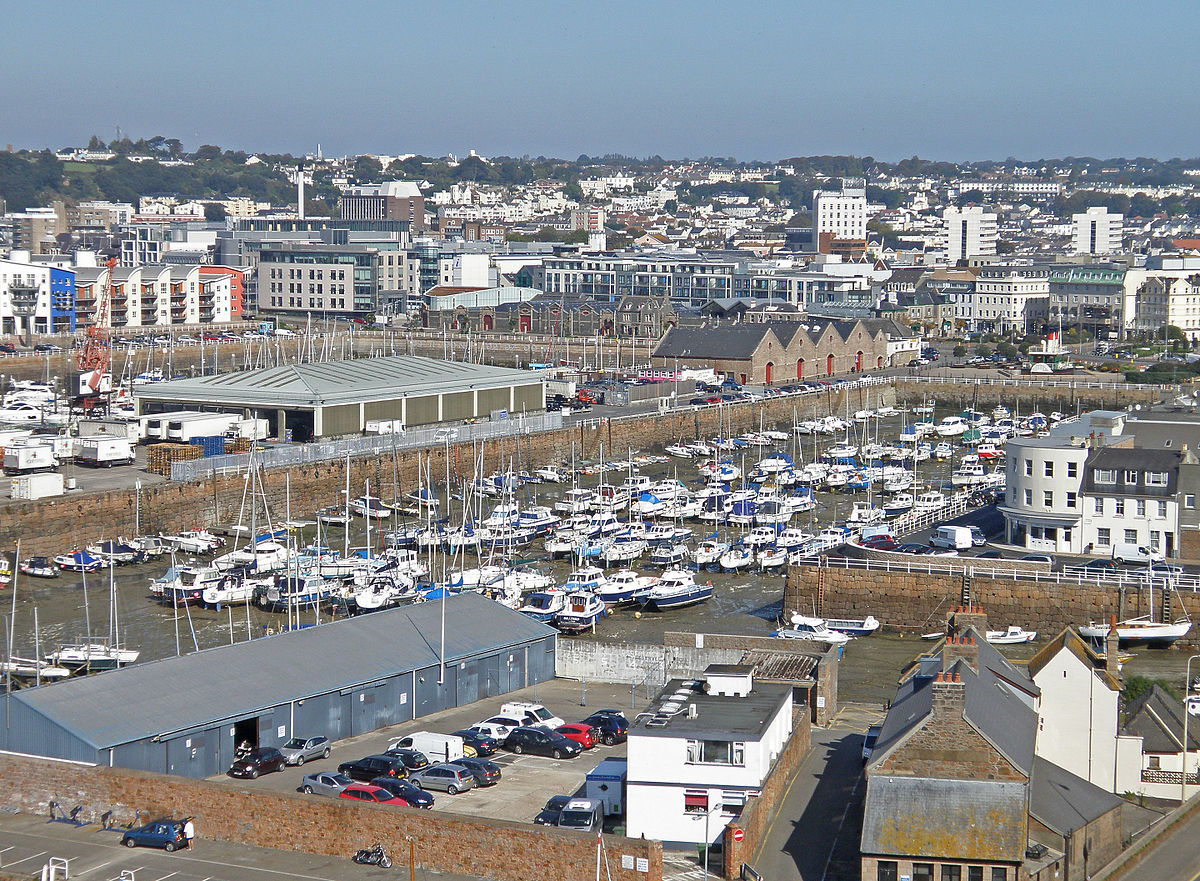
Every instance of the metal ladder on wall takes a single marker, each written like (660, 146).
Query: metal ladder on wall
(968, 577)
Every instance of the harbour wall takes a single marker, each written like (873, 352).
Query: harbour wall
(1067, 398)
(481, 848)
(920, 602)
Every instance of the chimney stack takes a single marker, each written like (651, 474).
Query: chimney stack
(957, 647)
(1111, 663)
(300, 192)
(948, 701)
(962, 617)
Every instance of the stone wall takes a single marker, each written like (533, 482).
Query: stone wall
(1048, 398)
(756, 816)
(495, 849)
(918, 602)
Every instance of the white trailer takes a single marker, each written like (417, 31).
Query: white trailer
(384, 426)
(153, 427)
(606, 784)
(36, 486)
(104, 451)
(126, 428)
(184, 428)
(251, 429)
(24, 459)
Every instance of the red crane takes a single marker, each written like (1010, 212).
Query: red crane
(96, 354)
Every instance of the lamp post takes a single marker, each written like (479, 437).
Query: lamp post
(1187, 685)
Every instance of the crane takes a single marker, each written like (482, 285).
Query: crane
(96, 354)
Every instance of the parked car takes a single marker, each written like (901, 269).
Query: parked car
(370, 767)
(978, 539)
(911, 548)
(1099, 566)
(533, 714)
(548, 816)
(8, 349)
(374, 794)
(990, 555)
(541, 742)
(584, 735)
(486, 773)
(413, 759)
(260, 760)
(167, 834)
(880, 543)
(612, 728)
(451, 779)
(482, 743)
(299, 750)
(498, 727)
(1037, 558)
(47, 347)
(583, 814)
(324, 783)
(414, 795)
(869, 742)
(1162, 571)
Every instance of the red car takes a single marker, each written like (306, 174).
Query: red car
(373, 794)
(584, 735)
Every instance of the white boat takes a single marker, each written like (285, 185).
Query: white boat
(944, 450)
(370, 506)
(736, 558)
(669, 554)
(195, 541)
(772, 558)
(1012, 636)
(929, 501)
(854, 626)
(898, 504)
(680, 451)
(951, 426)
(676, 589)
(760, 536)
(1143, 631)
(970, 474)
(709, 551)
(550, 474)
(864, 514)
(576, 501)
(623, 550)
(814, 629)
(582, 610)
(792, 538)
(382, 591)
(625, 587)
(543, 605)
(261, 558)
(91, 655)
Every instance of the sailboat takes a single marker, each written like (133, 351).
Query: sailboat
(93, 654)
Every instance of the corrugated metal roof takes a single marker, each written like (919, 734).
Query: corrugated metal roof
(1064, 802)
(955, 819)
(178, 694)
(337, 382)
(782, 666)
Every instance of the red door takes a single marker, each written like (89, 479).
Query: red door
(800, 368)
(858, 362)
(770, 371)
(829, 366)
(487, 322)
(525, 323)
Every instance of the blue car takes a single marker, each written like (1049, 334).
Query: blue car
(167, 834)
(483, 745)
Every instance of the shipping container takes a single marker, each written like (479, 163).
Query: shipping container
(36, 486)
(24, 459)
(153, 427)
(250, 429)
(104, 451)
(126, 428)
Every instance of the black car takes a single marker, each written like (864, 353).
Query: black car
(612, 728)
(480, 742)
(910, 548)
(412, 759)
(370, 767)
(260, 760)
(541, 742)
(8, 349)
(414, 795)
(549, 814)
(47, 347)
(1099, 566)
(485, 773)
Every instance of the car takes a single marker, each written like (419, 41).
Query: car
(483, 744)
(47, 347)
(539, 741)
(1037, 558)
(978, 539)
(583, 814)
(584, 735)
(260, 760)
(612, 728)
(698, 402)
(299, 750)
(167, 834)
(548, 816)
(917, 362)
(373, 794)
(210, 337)
(451, 778)
(8, 349)
(412, 759)
(532, 714)
(881, 543)
(1162, 570)
(370, 767)
(869, 742)
(1099, 566)
(990, 555)
(498, 726)
(324, 783)
(938, 552)
(911, 548)
(187, 340)
(486, 773)
(414, 795)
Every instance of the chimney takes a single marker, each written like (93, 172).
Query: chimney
(962, 617)
(300, 191)
(1111, 663)
(957, 647)
(948, 702)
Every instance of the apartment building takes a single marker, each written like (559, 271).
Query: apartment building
(970, 232)
(1006, 299)
(1169, 298)
(1099, 299)
(842, 213)
(155, 295)
(51, 289)
(1097, 231)
(341, 279)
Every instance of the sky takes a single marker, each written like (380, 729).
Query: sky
(955, 81)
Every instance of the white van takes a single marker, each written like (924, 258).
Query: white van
(956, 537)
(585, 814)
(534, 715)
(439, 747)
(1129, 552)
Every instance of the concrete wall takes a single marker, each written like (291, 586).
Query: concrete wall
(494, 849)
(635, 664)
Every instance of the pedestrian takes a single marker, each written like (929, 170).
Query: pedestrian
(189, 832)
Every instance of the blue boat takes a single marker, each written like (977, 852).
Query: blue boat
(582, 611)
(543, 605)
(80, 561)
(676, 589)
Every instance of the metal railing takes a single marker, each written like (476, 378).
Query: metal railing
(373, 445)
(1025, 383)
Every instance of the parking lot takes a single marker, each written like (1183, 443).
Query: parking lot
(528, 780)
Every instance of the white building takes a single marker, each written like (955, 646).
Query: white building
(1097, 231)
(155, 295)
(842, 212)
(705, 748)
(53, 302)
(1005, 299)
(970, 232)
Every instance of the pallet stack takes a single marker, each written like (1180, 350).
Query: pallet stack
(160, 456)
(238, 445)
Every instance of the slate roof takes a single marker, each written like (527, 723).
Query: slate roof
(193, 691)
(336, 382)
(1063, 802)
(1157, 718)
(738, 342)
(1137, 459)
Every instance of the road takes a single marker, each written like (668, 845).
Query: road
(1175, 858)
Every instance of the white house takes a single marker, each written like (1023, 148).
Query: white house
(701, 751)
(1150, 751)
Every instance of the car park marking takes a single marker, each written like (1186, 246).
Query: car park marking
(166, 876)
(40, 853)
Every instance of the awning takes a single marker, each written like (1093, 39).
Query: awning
(1035, 519)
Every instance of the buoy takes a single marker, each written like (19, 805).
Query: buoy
(637, 615)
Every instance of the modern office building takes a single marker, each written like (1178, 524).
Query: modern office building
(391, 200)
(329, 279)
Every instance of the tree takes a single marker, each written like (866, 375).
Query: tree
(573, 191)
(214, 211)
(959, 351)
(207, 152)
(983, 350)
(94, 143)
(1007, 350)
(671, 206)
(367, 169)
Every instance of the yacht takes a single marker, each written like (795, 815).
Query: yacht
(814, 629)
(677, 588)
(1140, 631)
(625, 587)
(91, 655)
(370, 506)
(576, 501)
(669, 554)
(261, 558)
(543, 605)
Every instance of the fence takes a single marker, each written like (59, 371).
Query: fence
(374, 445)
(1043, 383)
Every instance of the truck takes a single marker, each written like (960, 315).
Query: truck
(153, 427)
(104, 451)
(605, 783)
(125, 428)
(26, 459)
(184, 428)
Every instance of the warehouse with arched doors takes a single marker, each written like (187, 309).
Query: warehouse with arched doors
(187, 715)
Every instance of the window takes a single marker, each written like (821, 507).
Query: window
(1189, 501)
(1072, 471)
(1162, 509)
(1103, 537)
(1153, 762)
(1071, 500)
(951, 873)
(1029, 468)
(732, 801)
(1141, 507)
(1097, 506)
(1120, 508)
(1130, 477)
(1047, 468)
(974, 873)
(715, 752)
(1131, 536)
(1029, 497)
(1156, 478)
(887, 870)
(1105, 475)
(695, 801)
(922, 872)
(1048, 498)
(999, 873)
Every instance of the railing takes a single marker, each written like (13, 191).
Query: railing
(374, 445)
(1024, 383)
(1150, 775)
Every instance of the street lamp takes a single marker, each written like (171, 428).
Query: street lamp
(1187, 685)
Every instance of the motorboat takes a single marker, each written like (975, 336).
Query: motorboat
(611, 498)
(195, 541)
(854, 626)
(150, 545)
(622, 550)
(382, 591)
(675, 589)
(647, 505)
(370, 506)
(538, 518)
(116, 552)
(261, 558)
(669, 554)
(576, 501)
(92, 655)
(38, 567)
(929, 501)
(772, 557)
(625, 587)
(550, 474)
(898, 504)
(951, 426)
(971, 474)
(1013, 635)
(505, 514)
(502, 537)
(333, 516)
(792, 538)
(664, 532)
(814, 629)
(680, 451)
(944, 450)
(737, 558)
(760, 536)
(709, 551)
(543, 605)
(229, 590)
(189, 584)
(864, 514)
(775, 463)
(294, 591)
(1141, 631)
(587, 578)
(581, 611)
(80, 561)
(602, 523)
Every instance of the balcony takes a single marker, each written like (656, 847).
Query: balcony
(1174, 778)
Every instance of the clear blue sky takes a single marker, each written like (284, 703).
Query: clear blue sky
(945, 80)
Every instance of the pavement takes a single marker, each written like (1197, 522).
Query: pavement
(1176, 857)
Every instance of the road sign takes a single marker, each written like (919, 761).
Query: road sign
(738, 834)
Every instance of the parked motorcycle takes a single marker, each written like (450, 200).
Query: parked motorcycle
(373, 856)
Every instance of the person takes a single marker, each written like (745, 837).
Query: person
(189, 832)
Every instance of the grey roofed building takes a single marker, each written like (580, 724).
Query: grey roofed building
(717, 716)
(310, 679)
(733, 341)
(334, 398)
(1063, 802)
(1157, 718)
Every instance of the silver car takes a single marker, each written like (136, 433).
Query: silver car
(324, 783)
(299, 750)
(450, 778)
